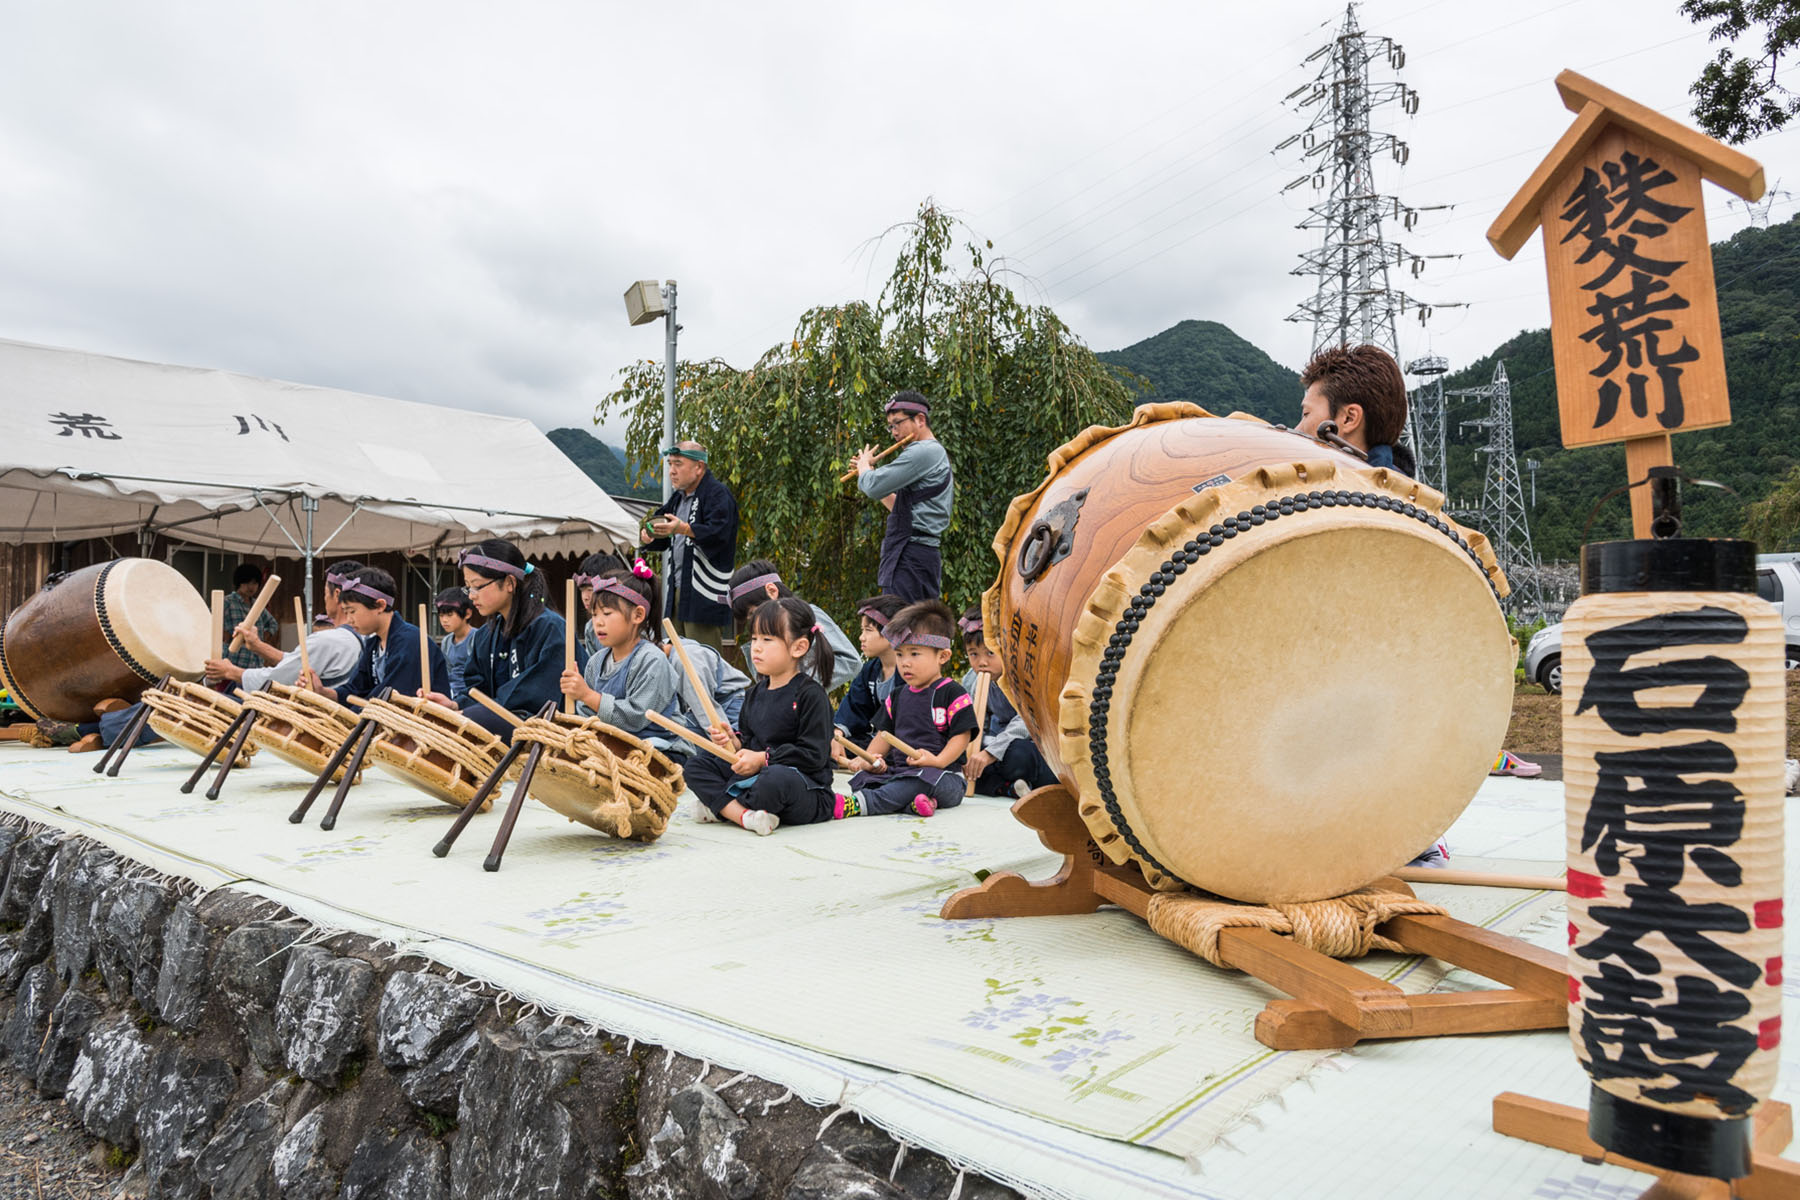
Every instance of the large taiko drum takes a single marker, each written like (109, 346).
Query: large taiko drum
(436, 749)
(106, 631)
(603, 777)
(1269, 671)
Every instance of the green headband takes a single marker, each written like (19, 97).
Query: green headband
(698, 456)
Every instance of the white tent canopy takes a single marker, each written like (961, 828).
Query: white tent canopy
(97, 445)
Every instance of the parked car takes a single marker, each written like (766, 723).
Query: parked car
(1777, 581)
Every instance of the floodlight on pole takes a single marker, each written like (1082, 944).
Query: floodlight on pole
(645, 301)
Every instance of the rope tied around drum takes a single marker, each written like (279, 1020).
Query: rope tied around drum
(200, 712)
(1341, 927)
(430, 737)
(634, 784)
(304, 712)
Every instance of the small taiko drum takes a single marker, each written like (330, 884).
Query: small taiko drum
(436, 749)
(107, 631)
(603, 777)
(192, 715)
(1269, 671)
(299, 726)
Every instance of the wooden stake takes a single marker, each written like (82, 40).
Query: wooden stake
(686, 734)
(480, 698)
(1547, 883)
(1640, 455)
(256, 609)
(982, 683)
(300, 625)
(847, 476)
(218, 618)
(569, 637)
(855, 749)
(424, 656)
(713, 719)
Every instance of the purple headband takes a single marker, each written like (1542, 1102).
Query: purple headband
(874, 614)
(750, 585)
(619, 589)
(333, 579)
(469, 558)
(911, 406)
(586, 581)
(373, 593)
(930, 641)
(969, 624)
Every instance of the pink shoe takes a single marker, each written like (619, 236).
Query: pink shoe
(922, 805)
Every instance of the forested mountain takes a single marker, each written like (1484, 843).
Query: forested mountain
(1206, 363)
(1758, 275)
(602, 463)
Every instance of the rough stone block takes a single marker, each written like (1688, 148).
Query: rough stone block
(70, 1021)
(77, 905)
(404, 1166)
(181, 976)
(824, 1174)
(320, 1014)
(434, 1084)
(694, 1153)
(421, 1014)
(10, 836)
(247, 975)
(299, 1165)
(23, 1034)
(131, 939)
(182, 1105)
(25, 871)
(109, 1080)
(235, 1164)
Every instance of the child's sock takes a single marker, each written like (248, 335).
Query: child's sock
(761, 823)
(846, 806)
(922, 805)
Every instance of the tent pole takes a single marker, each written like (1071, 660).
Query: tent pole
(309, 505)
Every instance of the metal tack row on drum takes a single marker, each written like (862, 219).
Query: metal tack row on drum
(1271, 672)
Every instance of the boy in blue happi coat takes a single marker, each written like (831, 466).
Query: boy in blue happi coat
(390, 650)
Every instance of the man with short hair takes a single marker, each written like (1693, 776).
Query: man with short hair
(698, 526)
(917, 488)
(1361, 388)
(246, 581)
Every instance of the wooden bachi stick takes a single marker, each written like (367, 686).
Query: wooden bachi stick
(424, 655)
(478, 697)
(847, 476)
(355, 701)
(897, 744)
(218, 619)
(300, 628)
(1548, 883)
(982, 683)
(713, 719)
(256, 610)
(855, 749)
(686, 734)
(569, 638)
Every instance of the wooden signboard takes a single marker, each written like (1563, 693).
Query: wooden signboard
(1634, 317)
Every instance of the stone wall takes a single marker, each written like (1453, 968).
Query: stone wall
(226, 1049)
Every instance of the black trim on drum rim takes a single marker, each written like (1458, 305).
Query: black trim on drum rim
(12, 684)
(1172, 568)
(106, 629)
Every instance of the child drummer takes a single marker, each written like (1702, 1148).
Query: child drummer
(1008, 762)
(391, 643)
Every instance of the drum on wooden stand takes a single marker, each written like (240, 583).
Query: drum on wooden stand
(1268, 670)
(602, 777)
(192, 716)
(436, 749)
(109, 630)
(299, 726)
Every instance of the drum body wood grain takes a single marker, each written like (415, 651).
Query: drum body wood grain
(603, 777)
(109, 630)
(436, 749)
(1269, 671)
(299, 726)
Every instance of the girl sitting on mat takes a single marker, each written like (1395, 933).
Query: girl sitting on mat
(930, 713)
(516, 658)
(591, 568)
(782, 775)
(630, 676)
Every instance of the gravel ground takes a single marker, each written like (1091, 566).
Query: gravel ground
(44, 1153)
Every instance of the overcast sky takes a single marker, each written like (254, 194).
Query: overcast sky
(445, 201)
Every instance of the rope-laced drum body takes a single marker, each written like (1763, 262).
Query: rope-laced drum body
(603, 777)
(192, 715)
(436, 749)
(107, 631)
(299, 726)
(1269, 671)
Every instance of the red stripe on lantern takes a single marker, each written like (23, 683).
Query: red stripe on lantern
(1768, 914)
(1768, 1034)
(1590, 887)
(1772, 971)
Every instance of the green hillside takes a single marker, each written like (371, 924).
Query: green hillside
(602, 463)
(1206, 363)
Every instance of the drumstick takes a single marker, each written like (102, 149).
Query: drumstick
(847, 476)
(899, 745)
(218, 615)
(300, 629)
(569, 639)
(1548, 883)
(256, 610)
(355, 701)
(682, 731)
(713, 719)
(854, 749)
(476, 695)
(982, 683)
(424, 656)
